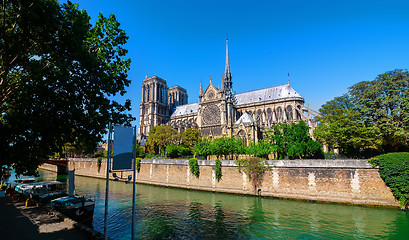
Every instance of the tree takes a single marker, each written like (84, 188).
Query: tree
(340, 126)
(58, 73)
(262, 149)
(190, 138)
(226, 146)
(203, 147)
(384, 103)
(174, 151)
(160, 137)
(293, 141)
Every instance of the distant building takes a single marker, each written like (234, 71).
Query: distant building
(220, 111)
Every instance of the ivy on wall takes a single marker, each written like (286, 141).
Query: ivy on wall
(254, 168)
(394, 170)
(99, 162)
(194, 167)
(138, 164)
(218, 170)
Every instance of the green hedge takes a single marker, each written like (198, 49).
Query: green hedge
(394, 170)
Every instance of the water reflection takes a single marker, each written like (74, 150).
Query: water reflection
(178, 220)
(166, 213)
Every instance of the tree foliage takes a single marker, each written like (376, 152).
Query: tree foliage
(384, 103)
(293, 141)
(58, 74)
(174, 151)
(340, 126)
(203, 147)
(373, 117)
(261, 149)
(223, 146)
(190, 138)
(160, 137)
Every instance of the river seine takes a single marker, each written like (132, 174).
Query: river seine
(168, 213)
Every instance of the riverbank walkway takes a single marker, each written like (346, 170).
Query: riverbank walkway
(31, 223)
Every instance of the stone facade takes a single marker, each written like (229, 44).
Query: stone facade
(220, 111)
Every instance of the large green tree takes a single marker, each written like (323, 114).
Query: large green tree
(384, 103)
(160, 137)
(58, 75)
(340, 126)
(190, 138)
(293, 141)
(203, 147)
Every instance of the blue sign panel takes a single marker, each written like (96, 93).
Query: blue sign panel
(123, 140)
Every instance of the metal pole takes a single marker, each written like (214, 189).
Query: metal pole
(134, 182)
(107, 182)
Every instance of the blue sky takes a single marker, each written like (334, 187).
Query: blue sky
(326, 46)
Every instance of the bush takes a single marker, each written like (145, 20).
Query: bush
(177, 151)
(218, 170)
(394, 170)
(194, 167)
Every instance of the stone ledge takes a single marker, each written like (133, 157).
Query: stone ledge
(347, 163)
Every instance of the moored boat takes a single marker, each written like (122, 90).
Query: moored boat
(75, 207)
(37, 189)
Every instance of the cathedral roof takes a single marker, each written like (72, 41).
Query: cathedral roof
(245, 118)
(267, 94)
(185, 109)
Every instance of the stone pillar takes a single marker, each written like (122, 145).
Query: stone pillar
(153, 92)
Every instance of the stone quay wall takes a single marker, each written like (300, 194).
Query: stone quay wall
(340, 181)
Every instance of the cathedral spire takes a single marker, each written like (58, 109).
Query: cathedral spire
(227, 83)
(288, 79)
(227, 73)
(201, 88)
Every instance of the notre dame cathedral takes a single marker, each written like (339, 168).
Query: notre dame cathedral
(220, 111)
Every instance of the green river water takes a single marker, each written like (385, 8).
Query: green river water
(168, 213)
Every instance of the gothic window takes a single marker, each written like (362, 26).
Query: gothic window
(211, 115)
(289, 113)
(161, 94)
(259, 117)
(239, 114)
(148, 94)
(279, 116)
(269, 117)
(242, 135)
